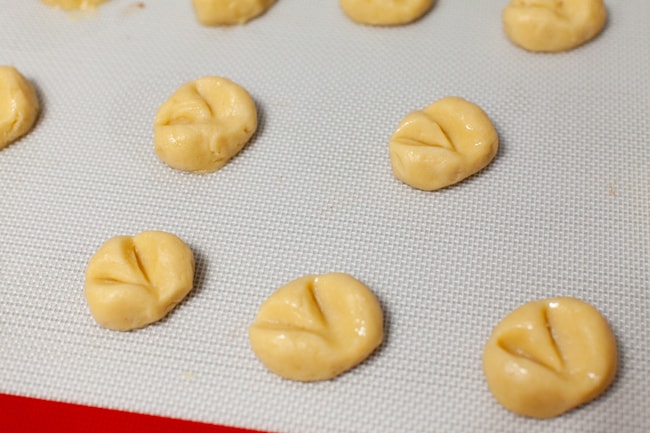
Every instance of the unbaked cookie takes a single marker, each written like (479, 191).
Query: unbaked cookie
(228, 12)
(442, 144)
(204, 124)
(385, 12)
(553, 25)
(317, 327)
(19, 106)
(133, 281)
(550, 356)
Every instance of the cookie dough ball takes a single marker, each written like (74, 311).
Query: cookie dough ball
(204, 124)
(317, 327)
(19, 105)
(552, 25)
(228, 12)
(133, 281)
(443, 144)
(550, 356)
(385, 12)
(74, 4)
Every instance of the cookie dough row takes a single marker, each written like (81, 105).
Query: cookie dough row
(314, 328)
(535, 25)
(208, 121)
(231, 12)
(543, 359)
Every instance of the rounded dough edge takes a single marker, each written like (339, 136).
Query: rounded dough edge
(19, 106)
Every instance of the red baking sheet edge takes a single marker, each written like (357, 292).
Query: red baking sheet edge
(25, 414)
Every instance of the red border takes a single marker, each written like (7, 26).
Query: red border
(25, 414)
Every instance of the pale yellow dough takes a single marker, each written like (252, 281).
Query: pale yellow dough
(133, 281)
(550, 356)
(553, 25)
(228, 12)
(19, 106)
(317, 327)
(443, 144)
(385, 12)
(204, 124)
(74, 4)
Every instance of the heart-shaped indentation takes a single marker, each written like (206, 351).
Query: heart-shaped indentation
(419, 129)
(296, 308)
(534, 340)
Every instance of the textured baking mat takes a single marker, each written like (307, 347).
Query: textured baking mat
(562, 210)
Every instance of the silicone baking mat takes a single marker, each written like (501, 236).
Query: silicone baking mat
(563, 210)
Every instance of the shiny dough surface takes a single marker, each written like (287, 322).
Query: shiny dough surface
(550, 356)
(317, 327)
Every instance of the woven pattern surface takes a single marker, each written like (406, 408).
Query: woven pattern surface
(563, 210)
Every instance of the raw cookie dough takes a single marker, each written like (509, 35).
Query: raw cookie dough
(553, 25)
(19, 105)
(133, 281)
(443, 144)
(74, 4)
(317, 327)
(550, 356)
(385, 12)
(228, 12)
(204, 124)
